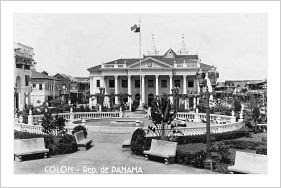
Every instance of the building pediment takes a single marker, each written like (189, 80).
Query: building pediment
(150, 63)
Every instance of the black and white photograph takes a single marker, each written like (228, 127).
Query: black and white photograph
(144, 93)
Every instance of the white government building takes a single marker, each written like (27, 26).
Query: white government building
(159, 75)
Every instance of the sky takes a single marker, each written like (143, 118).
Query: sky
(70, 43)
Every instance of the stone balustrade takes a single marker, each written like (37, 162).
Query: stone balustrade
(37, 129)
(192, 131)
(78, 115)
(184, 115)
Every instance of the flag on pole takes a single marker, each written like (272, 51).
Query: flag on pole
(135, 28)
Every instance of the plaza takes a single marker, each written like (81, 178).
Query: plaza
(106, 152)
(151, 113)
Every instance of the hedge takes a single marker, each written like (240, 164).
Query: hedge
(66, 143)
(243, 132)
(187, 158)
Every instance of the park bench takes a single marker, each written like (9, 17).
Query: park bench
(249, 163)
(81, 141)
(28, 147)
(163, 149)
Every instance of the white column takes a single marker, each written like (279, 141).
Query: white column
(194, 103)
(171, 87)
(103, 84)
(184, 91)
(116, 89)
(156, 85)
(143, 89)
(129, 92)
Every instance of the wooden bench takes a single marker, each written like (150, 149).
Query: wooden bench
(28, 147)
(164, 149)
(82, 142)
(249, 163)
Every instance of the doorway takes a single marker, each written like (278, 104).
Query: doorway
(150, 99)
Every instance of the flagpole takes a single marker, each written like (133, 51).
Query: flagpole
(140, 64)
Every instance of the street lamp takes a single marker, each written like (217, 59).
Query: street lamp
(212, 75)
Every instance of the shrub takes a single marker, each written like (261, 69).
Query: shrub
(81, 108)
(242, 144)
(26, 135)
(145, 106)
(66, 143)
(87, 109)
(135, 105)
(187, 158)
(138, 142)
(237, 106)
(261, 150)
(80, 128)
(222, 150)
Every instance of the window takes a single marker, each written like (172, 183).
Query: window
(125, 83)
(27, 67)
(150, 83)
(63, 86)
(111, 83)
(19, 66)
(164, 83)
(40, 86)
(190, 84)
(26, 80)
(98, 83)
(177, 83)
(34, 85)
(137, 83)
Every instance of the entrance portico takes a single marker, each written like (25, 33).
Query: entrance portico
(152, 76)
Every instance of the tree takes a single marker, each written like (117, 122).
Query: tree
(50, 124)
(237, 105)
(256, 116)
(162, 115)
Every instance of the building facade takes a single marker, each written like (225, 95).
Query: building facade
(44, 88)
(63, 82)
(79, 90)
(148, 77)
(24, 64)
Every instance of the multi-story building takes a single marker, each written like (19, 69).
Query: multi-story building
(79, 90)
(153, 75)
(44, 88)
(63, 82)
(24, 63)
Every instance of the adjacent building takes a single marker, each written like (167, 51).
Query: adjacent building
(148, 77)
(24, 64)
(63, 82)
(44, 88)
(80, 90)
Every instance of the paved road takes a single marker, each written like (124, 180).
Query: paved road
(106, 153)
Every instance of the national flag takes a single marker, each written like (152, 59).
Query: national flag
(135, 28)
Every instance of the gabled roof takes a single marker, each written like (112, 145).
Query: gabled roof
(38, 75)
(153, 59)
(170, 54)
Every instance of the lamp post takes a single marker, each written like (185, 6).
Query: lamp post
(212, 75)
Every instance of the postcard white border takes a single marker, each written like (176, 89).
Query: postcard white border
(9, 179)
